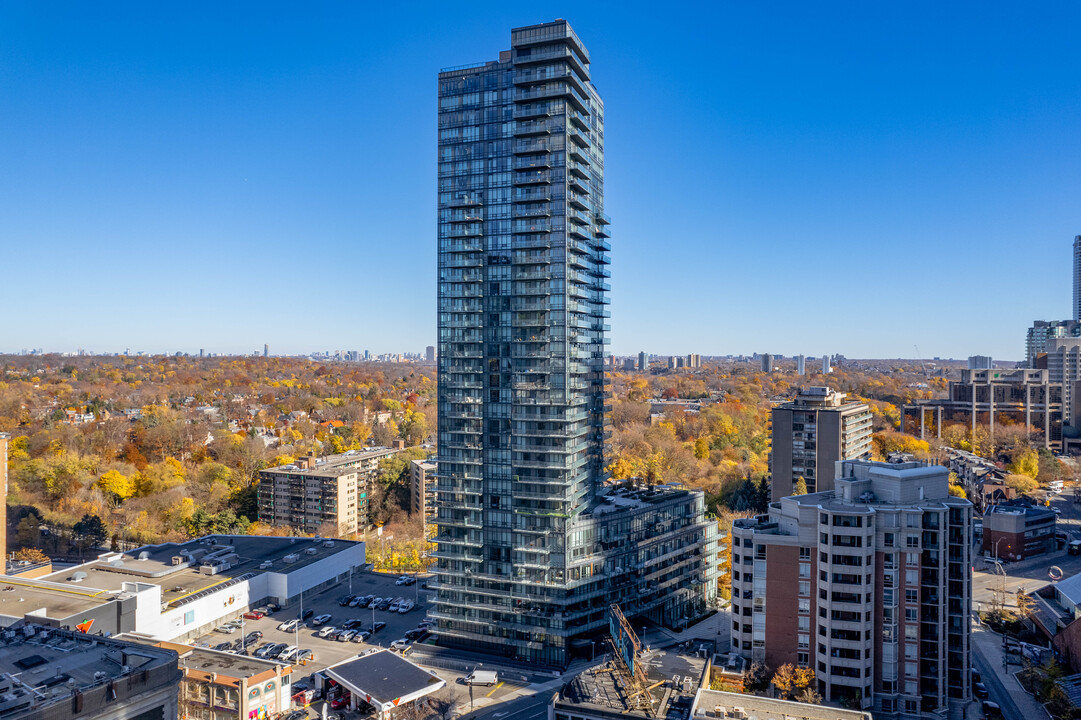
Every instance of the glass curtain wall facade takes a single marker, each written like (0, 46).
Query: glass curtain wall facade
(523, 263)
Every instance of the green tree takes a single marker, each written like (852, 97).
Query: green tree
(90, 532)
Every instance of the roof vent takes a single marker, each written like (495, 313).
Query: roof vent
(77, 576)
(144, 555)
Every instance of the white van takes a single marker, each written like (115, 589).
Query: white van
(487, 678)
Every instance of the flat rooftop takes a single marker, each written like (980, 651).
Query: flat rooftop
(222, 663)
(73, 590)
(48, 663)
(334, 464)
(385, 676)
(708, 702)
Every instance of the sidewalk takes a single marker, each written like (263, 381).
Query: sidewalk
(990, 647)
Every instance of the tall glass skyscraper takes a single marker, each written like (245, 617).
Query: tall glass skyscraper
(523, 266)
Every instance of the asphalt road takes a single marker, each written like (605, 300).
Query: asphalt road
(1032, 573)
(530, 707)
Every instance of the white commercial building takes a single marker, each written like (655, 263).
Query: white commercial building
(175, 592)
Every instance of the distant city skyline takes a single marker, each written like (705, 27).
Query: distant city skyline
(860, 180)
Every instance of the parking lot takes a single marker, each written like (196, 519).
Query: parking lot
(326, 651)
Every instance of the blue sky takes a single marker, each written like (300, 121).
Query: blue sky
(857, 178)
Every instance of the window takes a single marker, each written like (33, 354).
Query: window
(912, 596)
(803, 659)
(912, 559)
(805, 570)
(910, 615)
(804, 587)
(912, 541)
(805, 553)
(804, 605)
(804, 623)
(912, 577)
(912, 632)
(887, 539)
(910, 669)
(803, 642)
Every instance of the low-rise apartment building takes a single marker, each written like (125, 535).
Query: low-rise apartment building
(223, 686)
(869, 584)
(326, 495)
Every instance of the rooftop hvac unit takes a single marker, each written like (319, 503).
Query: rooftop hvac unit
(311, 551)
(179, 560)
(265, 564)
(77, 576)
(291, 558)
(328, 544)
(144, 555)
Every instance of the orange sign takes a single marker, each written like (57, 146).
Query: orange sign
(85, 625)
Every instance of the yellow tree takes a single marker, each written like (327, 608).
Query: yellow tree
(701, 449)
(800, 487)
(117, 484)
(1025, 462)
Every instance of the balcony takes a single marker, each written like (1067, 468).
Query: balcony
(528, 176)
(534, 145)
(464, 201)
(534, 127)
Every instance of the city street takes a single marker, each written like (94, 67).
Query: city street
(1032, 573)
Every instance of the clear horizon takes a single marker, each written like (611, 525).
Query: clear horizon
(858, 181)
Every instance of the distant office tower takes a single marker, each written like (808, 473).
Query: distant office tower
(266, 350)
(429, 354)
(826, 369)
(202, 352)
(767, 362)
(1042, 333)
(801, 365)
(643, 362)
(813, 432)
(671, 362)
(979, 362)
(532, 544)
(694, 360)
(882, 566)
(628, 364)
(1077, 277)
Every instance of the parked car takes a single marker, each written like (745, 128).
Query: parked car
(346, 635)
(405, 580)
(487, 678)
(399, 645)
(359, 636)
(991, 710)
(405, 606)
(375, 602)
(273, 607)
(223, 646)
(254, 615)
(976, 677)
(287, 626)
(306, 655)
(394, 606)
(979, 690)
(355, 601)
(286, 652)
(320, 619)
(352, 624)
(252, 637)
(365, 601)
(306, 614)
(262, 649)
(387, 602)
(227, 628)
(326, 630)
(346, 599)
(341, 701)
(376, 627)
(426, 624)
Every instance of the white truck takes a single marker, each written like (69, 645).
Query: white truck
(488, 678)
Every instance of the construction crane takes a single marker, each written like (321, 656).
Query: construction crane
(926, 372)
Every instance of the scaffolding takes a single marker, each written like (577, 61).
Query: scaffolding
(625, 665)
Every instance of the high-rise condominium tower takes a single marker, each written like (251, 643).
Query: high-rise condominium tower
(1077, 277)
(532, 544)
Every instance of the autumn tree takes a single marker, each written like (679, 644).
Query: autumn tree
(800, 488)
(790, 679)
(1025, 462)
(116, 484)
(1023, 484)
(31, 555)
